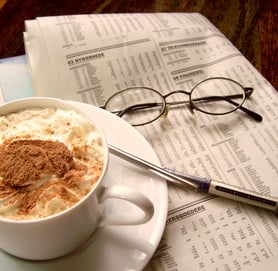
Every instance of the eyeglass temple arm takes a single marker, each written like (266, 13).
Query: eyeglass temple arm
(135, 107)
(248, 91)
(249, 112)
(228, 98)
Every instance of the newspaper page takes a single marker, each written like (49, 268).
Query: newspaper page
(89, 57)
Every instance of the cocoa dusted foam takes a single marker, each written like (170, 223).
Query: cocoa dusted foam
(49, 160)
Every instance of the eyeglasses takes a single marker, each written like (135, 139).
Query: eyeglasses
(214, 96)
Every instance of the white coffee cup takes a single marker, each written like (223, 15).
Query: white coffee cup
(61, 233)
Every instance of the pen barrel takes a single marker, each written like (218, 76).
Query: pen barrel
(244, 196)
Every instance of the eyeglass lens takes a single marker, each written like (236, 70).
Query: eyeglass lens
(217, 96)
(137, 105)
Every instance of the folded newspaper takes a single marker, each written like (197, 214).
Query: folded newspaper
(88, 58)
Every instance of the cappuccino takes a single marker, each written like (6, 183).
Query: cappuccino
(49, 160)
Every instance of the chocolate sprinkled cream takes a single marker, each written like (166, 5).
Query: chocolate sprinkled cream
(49, 160)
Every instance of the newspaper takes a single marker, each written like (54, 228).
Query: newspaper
(90, 57)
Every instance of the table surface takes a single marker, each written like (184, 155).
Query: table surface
(251, 25)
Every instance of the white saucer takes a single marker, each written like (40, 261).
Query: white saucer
(114, 248)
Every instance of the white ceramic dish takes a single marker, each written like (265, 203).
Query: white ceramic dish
(115, 247)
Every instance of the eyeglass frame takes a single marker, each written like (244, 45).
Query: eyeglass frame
(247, 91)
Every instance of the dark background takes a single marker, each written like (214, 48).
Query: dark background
(251, 25)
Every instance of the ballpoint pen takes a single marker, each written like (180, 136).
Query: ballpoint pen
(201, 184)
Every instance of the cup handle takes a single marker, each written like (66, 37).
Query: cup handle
(127, 194)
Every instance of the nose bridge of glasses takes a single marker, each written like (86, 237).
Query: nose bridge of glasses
(182, 100)
(179, 99)
(178, 91)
